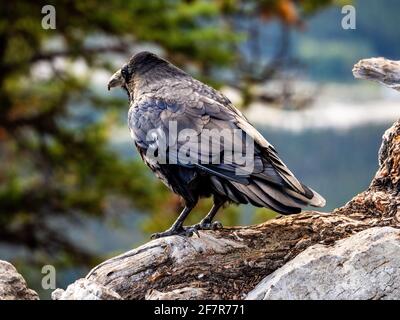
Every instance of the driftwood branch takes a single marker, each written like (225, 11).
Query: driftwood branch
(386, 72)
(228, 263)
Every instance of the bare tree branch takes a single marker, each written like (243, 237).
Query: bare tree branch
(386, 72)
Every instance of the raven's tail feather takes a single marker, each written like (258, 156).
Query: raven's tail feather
(261, 193)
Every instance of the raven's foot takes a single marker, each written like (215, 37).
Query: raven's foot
(208, 225)
(183, 231)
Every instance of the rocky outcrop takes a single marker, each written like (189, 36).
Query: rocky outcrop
(12, 285)
(84, 289)
(364, 266)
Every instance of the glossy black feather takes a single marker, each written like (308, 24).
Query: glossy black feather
(161, 93)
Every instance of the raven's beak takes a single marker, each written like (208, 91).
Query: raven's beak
(115, 80)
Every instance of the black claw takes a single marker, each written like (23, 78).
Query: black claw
(189, 231)
(196, 231)
(184, 232)
(205, 225)
(154, 236)
(217, 225)
(169, 232)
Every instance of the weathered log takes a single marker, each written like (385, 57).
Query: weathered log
(228, 263)
(386, 72)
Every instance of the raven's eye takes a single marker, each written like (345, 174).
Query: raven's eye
(124, 72)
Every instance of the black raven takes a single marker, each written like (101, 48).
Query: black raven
(166, 102)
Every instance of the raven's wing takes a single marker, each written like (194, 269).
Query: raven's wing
(267, 182)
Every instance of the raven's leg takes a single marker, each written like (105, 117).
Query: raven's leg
(206, 223)
(177, 227)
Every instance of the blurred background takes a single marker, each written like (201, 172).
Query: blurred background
(72, 188)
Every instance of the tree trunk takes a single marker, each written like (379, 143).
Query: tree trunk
(228, 263)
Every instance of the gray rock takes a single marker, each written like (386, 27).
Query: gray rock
(84, 289)
(363, 266)
(12, 285)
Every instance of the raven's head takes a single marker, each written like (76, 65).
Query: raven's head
(132, 71)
